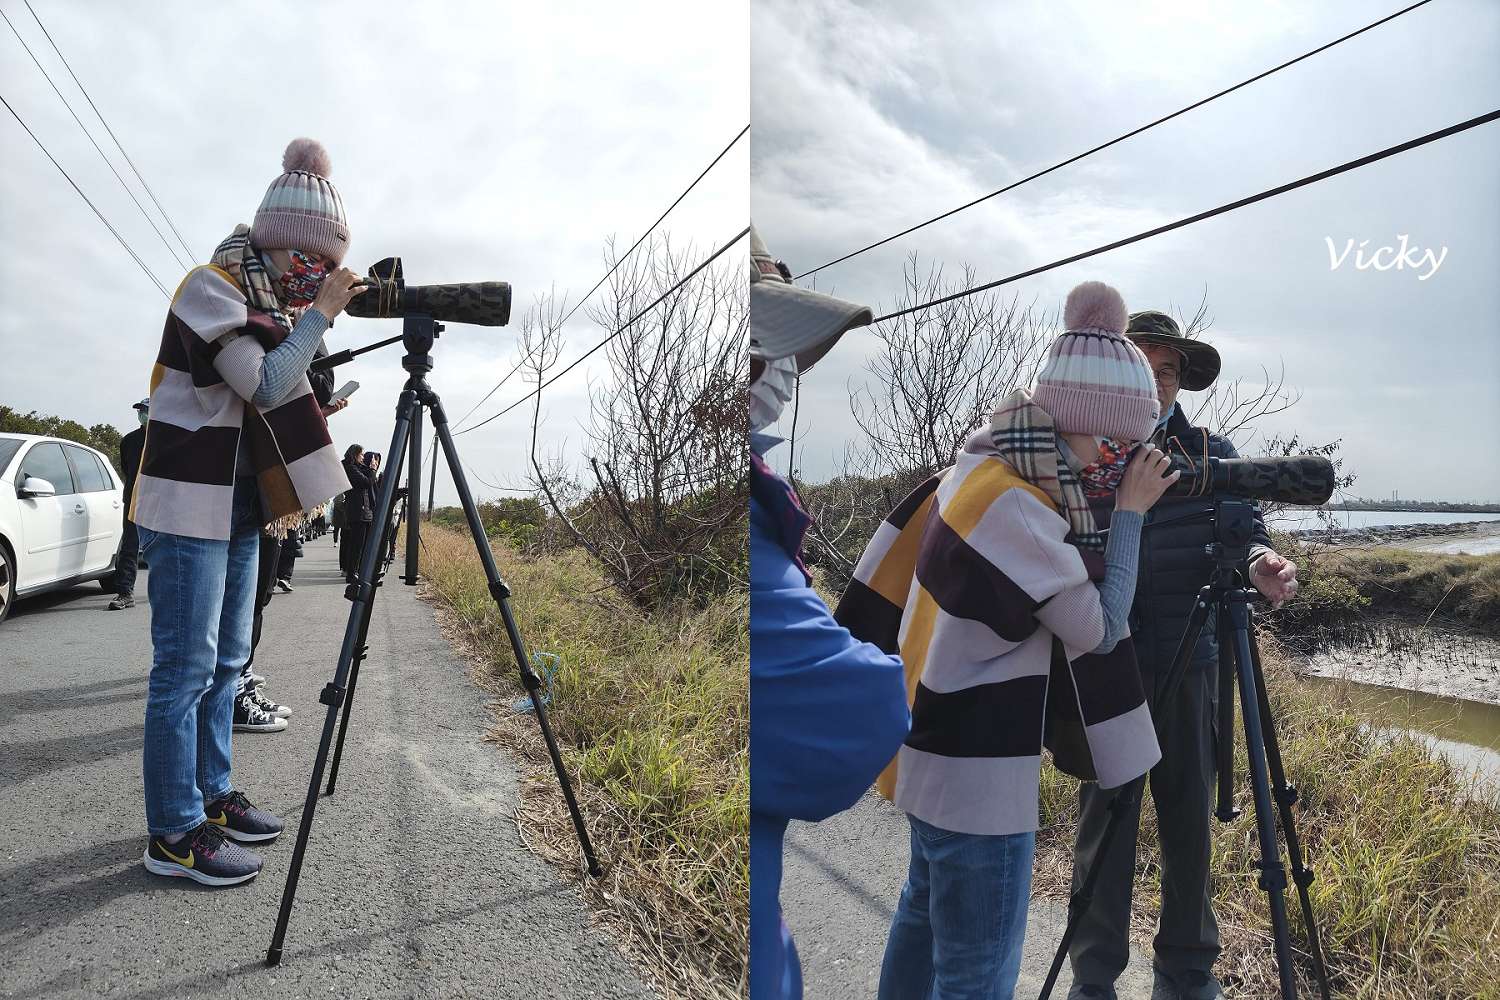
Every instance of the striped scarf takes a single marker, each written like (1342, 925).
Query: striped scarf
(1025, 438)
(239, 260)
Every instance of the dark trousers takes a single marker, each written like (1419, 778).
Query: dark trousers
(288, 558)
(1182, 788)
(265, 580)
(125, 565)
(353, 546)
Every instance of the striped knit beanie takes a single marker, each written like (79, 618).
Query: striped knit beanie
(302, 210)
(1095, 381)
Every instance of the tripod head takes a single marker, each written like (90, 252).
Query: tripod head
(1233, 523)
(418, 333)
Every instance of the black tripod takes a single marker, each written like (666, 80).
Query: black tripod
(418, 335)
(1239, 660)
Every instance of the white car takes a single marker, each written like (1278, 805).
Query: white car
(62, 514)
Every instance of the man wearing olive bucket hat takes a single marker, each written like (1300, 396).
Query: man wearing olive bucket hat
(827, 712)
(1172, 568)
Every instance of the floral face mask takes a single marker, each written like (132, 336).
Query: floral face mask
(1101, 477)
(302, 279)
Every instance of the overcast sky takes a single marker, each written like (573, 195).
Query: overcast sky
(478, 141)
(870, 118)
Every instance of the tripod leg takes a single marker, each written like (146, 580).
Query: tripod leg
(363, 649)
(362, 592)
(1080, 901)
(1273, 876)
(414, 502)
(501, 593)
(1286, 796)
(1226, 812)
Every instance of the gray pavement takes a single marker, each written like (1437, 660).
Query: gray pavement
(839, 889)
(416, 884)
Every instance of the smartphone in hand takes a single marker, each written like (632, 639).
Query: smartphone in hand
(345, 391)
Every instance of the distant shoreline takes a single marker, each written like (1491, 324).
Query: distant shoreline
(1398, 507)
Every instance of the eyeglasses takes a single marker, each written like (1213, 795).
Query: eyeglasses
(1167, 376)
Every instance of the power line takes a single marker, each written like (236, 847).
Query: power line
(111, 132)
(111, 166)
(618, 261)
(85, 198)
(1252, 199)
(627, 324)
(1127, 135)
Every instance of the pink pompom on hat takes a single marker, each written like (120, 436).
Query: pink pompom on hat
(302, 209)
(1095, 381)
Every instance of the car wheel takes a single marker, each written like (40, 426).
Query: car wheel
(7, 581)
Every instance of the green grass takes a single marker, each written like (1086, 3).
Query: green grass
(1406, 855)
(654, 714)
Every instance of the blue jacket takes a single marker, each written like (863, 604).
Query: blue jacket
(827, 713)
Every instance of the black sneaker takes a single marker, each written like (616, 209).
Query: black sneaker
(239, 820)
(285, 585)
(203, 856)
(251, 718)
(257, 694)
(121, 602)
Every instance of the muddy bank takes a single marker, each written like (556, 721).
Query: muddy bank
(1403, 653)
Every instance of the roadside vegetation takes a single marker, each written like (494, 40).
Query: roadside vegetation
(627, 558)
(1405, 850)
(652, 709)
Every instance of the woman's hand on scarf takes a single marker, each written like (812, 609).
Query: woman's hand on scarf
(1144, 483)
(336, 291)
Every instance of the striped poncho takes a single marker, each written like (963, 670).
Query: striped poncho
(206, 370)
(975, 581)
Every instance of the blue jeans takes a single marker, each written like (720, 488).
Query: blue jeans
(202, 595)
(958, 929)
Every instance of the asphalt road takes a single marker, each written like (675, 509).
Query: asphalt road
(841, 883)
(415, 885)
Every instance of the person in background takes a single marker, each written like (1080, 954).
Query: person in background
(126, 563)
(336, 520)
(255, 711)
(359, 508)
(1173, 567)
(235, 442)
(826, 712)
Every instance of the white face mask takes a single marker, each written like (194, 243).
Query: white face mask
(770, 393)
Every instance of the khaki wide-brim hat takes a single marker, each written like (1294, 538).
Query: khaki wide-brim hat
(1157, 328)
(787, 321)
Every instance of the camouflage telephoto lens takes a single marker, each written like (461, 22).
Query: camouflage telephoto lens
(1297, 479)
(481, 303)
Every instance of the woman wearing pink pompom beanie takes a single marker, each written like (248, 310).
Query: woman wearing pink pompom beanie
(1008, 608)
(236, 441)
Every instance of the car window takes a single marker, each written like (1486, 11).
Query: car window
(8, 449)
(46, 461)
(86, 471)
(105, 471)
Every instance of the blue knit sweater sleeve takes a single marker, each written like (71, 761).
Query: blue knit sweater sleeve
(283, 366)
(1117, 590)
